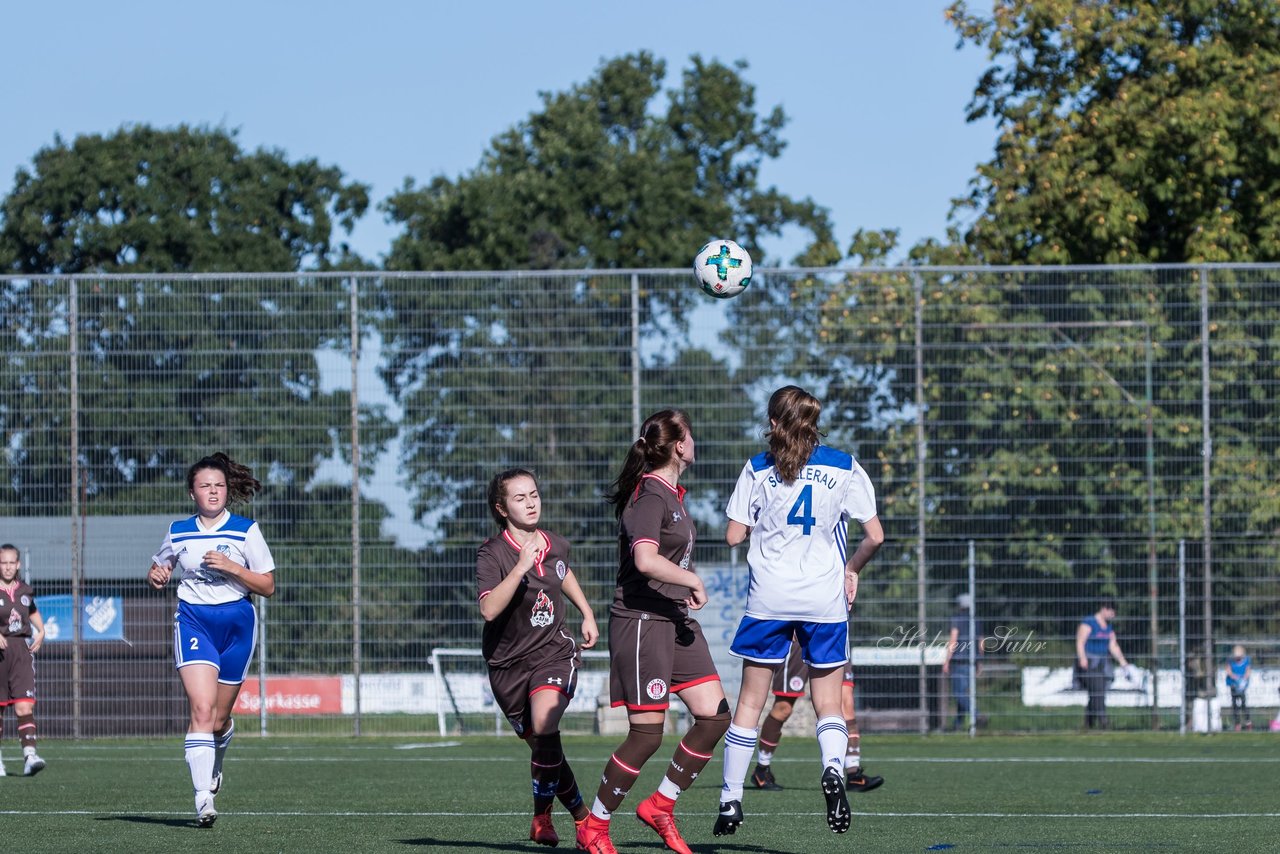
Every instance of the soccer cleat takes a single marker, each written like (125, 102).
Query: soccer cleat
(593, 839)
(762, 778)
(859, 781)
(206, 815)
(217, 784)
(838, 816)
(33, 766)
(543, 831)
(729, 819)
(664, 823)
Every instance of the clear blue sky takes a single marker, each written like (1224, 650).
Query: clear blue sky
(384, 89)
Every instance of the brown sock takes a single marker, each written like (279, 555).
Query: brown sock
(623, 767)
(544, 766)
(770, 734)
(27, 731)
(695, 749)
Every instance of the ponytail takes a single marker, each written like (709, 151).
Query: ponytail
(793, 431)
(655, 448)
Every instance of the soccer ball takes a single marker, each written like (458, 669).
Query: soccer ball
(722, 268)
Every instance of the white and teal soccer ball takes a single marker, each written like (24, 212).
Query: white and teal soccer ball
(722, 268)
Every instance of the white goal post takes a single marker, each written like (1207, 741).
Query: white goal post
(462, 685)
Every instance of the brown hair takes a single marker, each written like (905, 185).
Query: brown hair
(654, 449)
(793, 433)
(498, 491)
(241, 484)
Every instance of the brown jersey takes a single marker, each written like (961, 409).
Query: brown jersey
(17, 604)
(655, 514)
(535, 617)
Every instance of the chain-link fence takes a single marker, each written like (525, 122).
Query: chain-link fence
(1063, 435)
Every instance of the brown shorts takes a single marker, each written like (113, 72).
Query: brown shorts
(513, 686)
(651, 659)
(17, 673)
(790, 677)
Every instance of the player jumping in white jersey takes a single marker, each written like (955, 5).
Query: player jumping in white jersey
(795, 502)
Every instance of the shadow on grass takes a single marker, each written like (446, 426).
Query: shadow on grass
(149, 819)
(455, 845)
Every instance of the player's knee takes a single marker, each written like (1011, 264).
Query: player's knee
(717, 724)
(643, 740)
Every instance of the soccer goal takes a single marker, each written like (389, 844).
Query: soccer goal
(465, 706)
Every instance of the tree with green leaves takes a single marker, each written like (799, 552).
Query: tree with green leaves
(601, 177)
(1129, 131)
(177, 200)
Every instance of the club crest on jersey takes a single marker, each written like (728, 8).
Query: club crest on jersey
(224, 548)
(544, 612)
(796, 683)
(26, 600)
(656, 689)
(561, 569)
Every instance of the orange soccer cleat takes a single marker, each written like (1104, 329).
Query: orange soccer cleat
(543, 831)
(661, 819)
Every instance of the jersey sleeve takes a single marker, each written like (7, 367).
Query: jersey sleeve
(644, 520)
(860, 498)
(257, 552)
(488, 572)
(166, 556)
(740, 507)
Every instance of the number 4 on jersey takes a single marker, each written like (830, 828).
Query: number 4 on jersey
(802, 511)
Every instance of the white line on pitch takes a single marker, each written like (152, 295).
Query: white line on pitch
(415, 814)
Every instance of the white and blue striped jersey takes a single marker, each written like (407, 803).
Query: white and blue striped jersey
(799, 533)
(187, 542)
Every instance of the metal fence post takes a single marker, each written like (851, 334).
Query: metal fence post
(975, 644)
(921, 450)
(355, 500)
(1207, 487)
(1182, 635)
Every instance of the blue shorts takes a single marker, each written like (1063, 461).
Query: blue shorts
(822, 645)
(221, 635)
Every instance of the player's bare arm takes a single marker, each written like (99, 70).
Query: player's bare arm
(261, 583)
(872, 539)
(573, 592)
(37, 629)
(657, 567)
(736, 533)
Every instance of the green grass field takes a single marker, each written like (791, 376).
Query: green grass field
(1114, 792)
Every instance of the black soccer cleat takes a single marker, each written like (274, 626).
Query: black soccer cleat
(729, 819)
(762, 778)
(859, 781)
(838, 815)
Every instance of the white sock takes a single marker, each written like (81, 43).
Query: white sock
(668, 788)
(833, 739)
(220, 743)
(853, 758)
(764, 757)
(739, 744)
(598, 810)
(200, 755)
